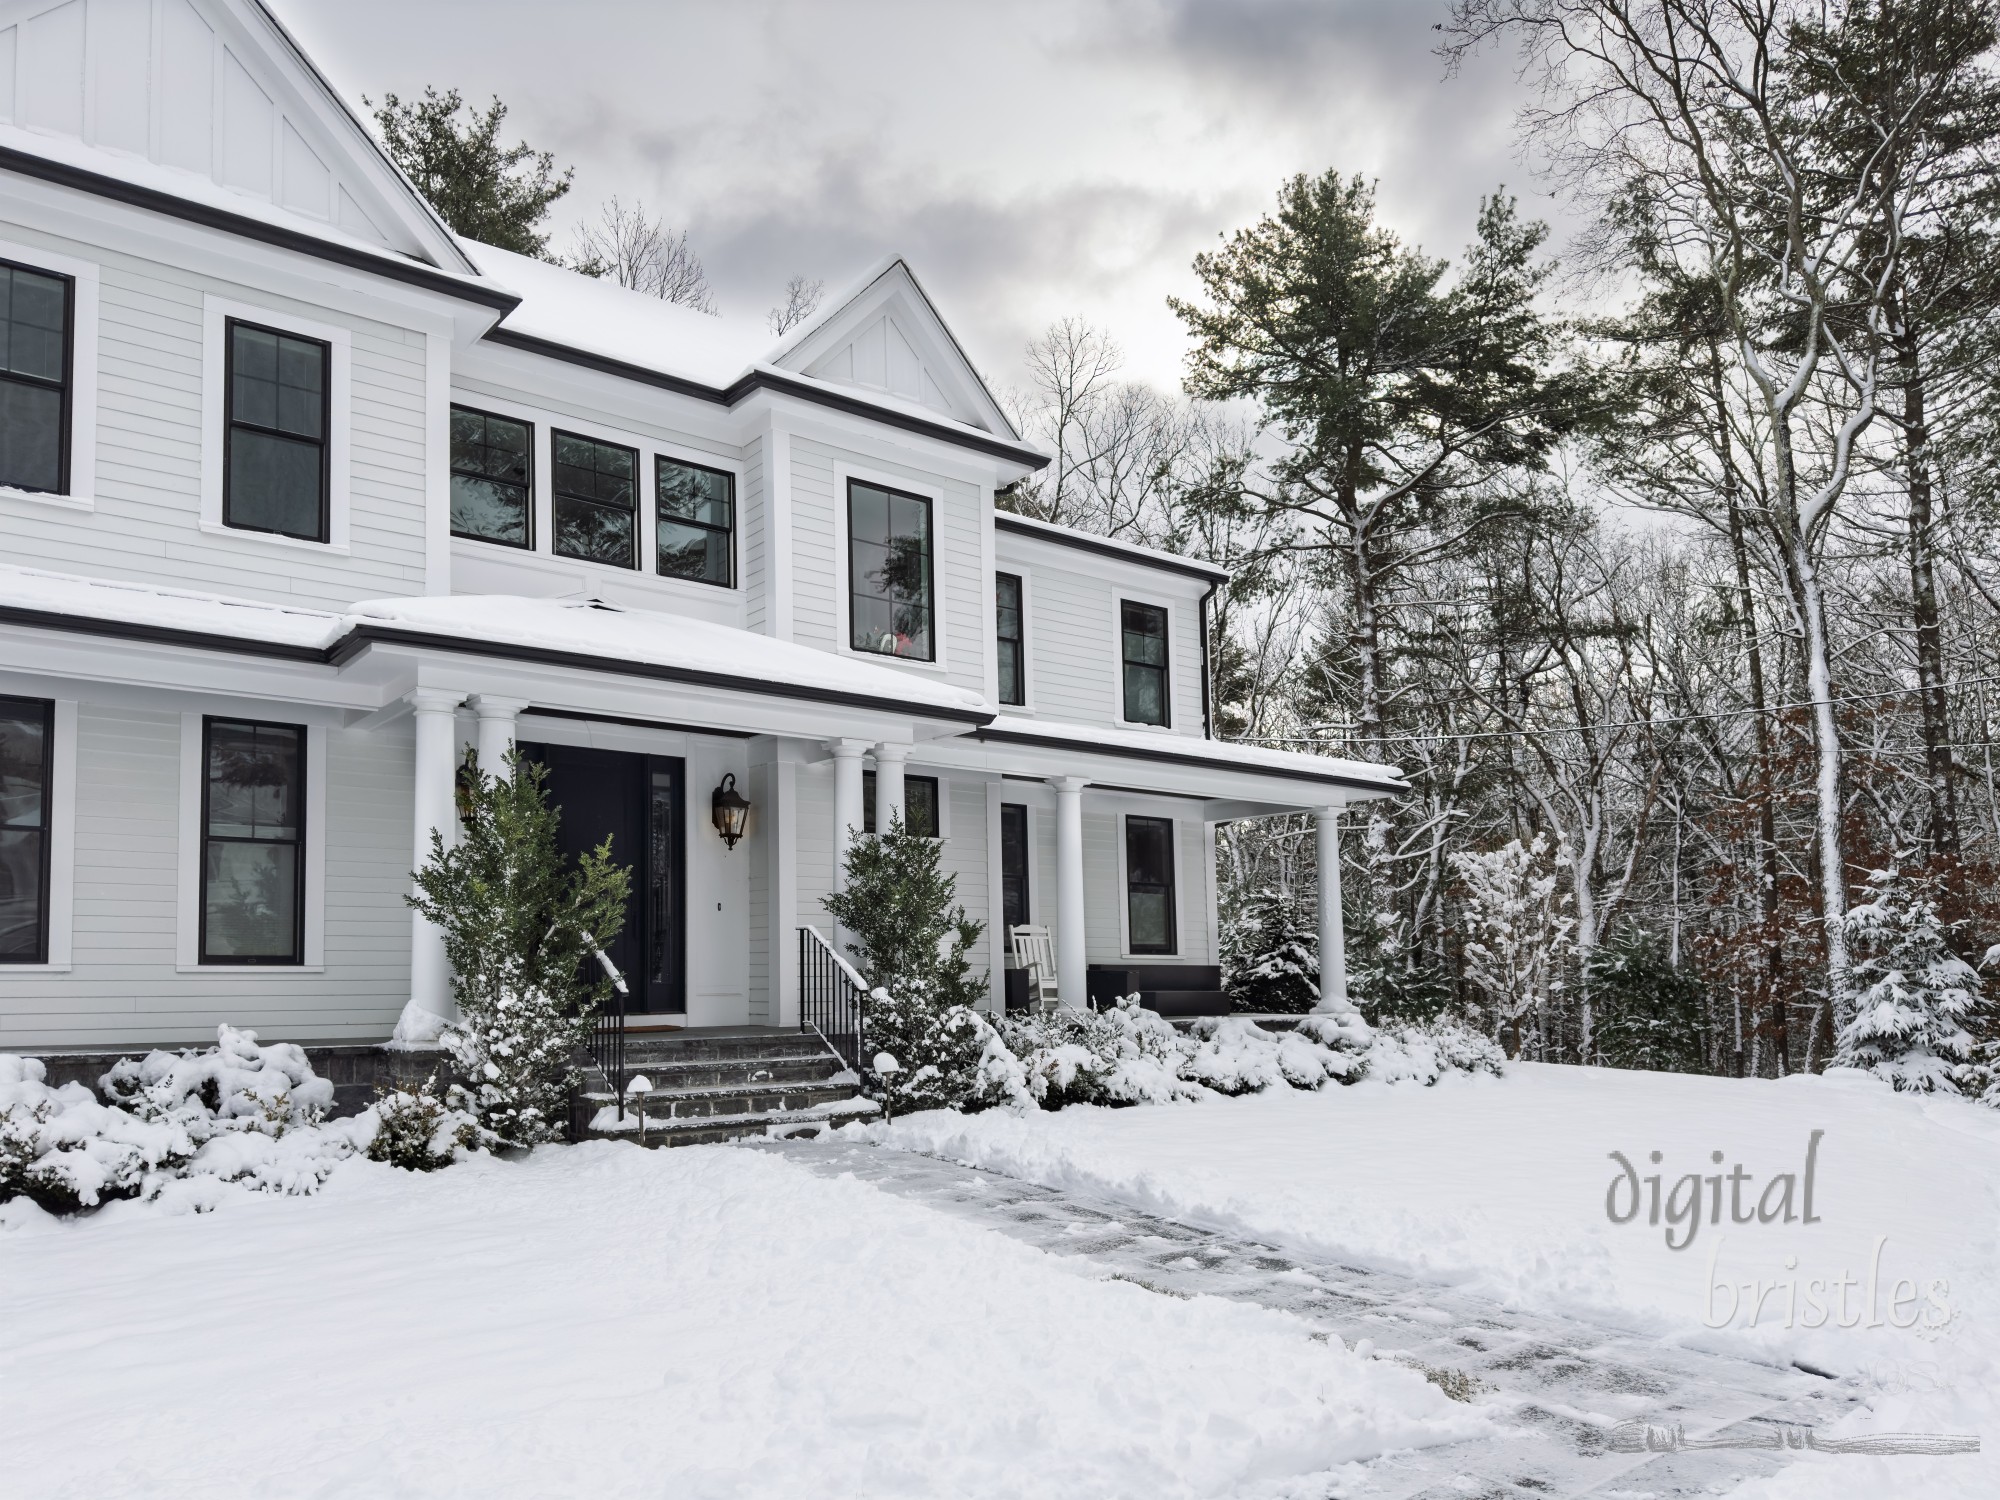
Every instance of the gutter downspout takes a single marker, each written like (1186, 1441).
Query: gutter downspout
(1201, 620)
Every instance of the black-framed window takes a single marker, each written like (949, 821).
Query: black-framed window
(1149, 885)
(596, 500)
(889, 572)
(1142, 633)
(36, 309)
(1014, 856)
(253, 849)
(920, 804)
(27, 749)
(492, 478)
(275, 473)
(696, 519)
(1010, 632)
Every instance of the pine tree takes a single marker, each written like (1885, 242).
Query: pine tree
(1518, 943)
(1913, 995)
(1275, 968)
(1650, 1014)
(495, 194)
(521, 929)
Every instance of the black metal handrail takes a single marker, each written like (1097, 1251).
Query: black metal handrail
(832, 1000)
(607, 1035)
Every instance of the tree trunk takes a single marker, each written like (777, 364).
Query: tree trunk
(1923, 601)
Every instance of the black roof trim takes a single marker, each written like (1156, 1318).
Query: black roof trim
(765, 380)
(1179, 758)
(96, 183)
(1022, 526)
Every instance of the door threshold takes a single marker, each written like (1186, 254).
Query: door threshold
(669, 1021)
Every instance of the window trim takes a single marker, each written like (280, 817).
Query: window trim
(79, 464)
(1175, 915)
(217, 314)
(249, 961)
(230, 424)
(641, 551)
(45, 875)
(731, 531)
(1166, 609)
(846, 474)
(1026, 699)
(192, 844)
(451, 473)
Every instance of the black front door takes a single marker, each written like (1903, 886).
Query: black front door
(635, 801)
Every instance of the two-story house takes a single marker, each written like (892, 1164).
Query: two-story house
(301, 495)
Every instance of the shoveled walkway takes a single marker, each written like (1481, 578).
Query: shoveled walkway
(1561, 1384)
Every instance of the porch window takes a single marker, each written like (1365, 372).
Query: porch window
(596, 489)
(1149, 885)
(697, 521)
(492, 463)
(1142, 630)
(26, 744)
(889, 572)
(1013, 864)
(253, 843)
(1009, 631)
(920, 804)
(274, 478)
(34, 379)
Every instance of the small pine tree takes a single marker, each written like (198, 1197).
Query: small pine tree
(1914, 994)
(496, 194)
(520, 930)
(1517, 928)
(1650, 1014)
(1275, 966)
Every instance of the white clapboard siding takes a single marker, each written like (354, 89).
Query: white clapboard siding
(1073, 645)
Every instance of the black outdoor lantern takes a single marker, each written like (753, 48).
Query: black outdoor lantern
(730, 810)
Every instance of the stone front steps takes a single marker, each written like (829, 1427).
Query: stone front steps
(725, 1084)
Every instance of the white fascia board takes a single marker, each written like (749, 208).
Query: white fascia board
(34, 653)
(861, 435)
(535, 379)
(1125, 573)
(1209, 784)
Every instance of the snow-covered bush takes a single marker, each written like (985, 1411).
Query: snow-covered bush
(1274, 962)
(1123, 1055)
(238, 1084)
(947, 1057)
(421, 1130)
(1518, 935)
(60, 1148)
(1233, 1056)
(521, 927)
(1423, 1052)
(1915, 995)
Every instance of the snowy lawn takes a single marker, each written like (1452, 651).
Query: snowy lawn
(609, 1321)
(1499, 1186)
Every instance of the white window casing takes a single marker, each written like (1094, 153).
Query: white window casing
(61, 834)
(1125, 892)
(843, 618)
(1175, 708)
(82, 433)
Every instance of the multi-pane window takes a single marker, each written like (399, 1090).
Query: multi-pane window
(1149, 885)
(596, 493)
(253, 843)
(34, 379)
(492, 466)
(275, 475)
(697, 521)
(1142, 631)
(26, 743)
(889, 572)
(1011, 635)
(1013, 863)
(920, 804)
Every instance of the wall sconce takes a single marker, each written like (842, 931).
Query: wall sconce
(730, 810)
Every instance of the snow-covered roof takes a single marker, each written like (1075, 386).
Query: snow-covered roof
(146, 606)
(1090, 541)
(1227, 754)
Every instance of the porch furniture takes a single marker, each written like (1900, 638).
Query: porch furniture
(1166, 989)
(1035, 954)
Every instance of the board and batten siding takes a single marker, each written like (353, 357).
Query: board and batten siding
(145, 525)
(123, 988)
(1073, 643)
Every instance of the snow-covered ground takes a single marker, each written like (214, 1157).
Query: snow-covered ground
(609, 1321)
(1499, 1186)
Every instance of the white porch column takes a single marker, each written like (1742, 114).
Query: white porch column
(496, 730)
(847, 824)
(436, 713)
(1072, 966)
(1333, 999)
(891, 761)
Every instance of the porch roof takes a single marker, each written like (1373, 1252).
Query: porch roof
(1365, 777)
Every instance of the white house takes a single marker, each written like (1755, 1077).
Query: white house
(301, 494)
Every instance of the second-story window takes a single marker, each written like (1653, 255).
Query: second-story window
(275, 475)
(697, 521)
(596, 492)
(889, 572)
(1142, 632)
(1010, 634)
(492, 461)
(34, 380)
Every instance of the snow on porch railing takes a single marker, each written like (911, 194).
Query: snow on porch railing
(832, 997)
(606, 1043)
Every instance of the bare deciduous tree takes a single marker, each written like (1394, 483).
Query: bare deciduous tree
(637, 250)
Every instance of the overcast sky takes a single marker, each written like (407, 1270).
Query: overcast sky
(1030, 160)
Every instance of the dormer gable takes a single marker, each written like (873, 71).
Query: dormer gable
(887, 338)
(215, 89)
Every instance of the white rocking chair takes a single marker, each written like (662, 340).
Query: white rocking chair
(1035, 951)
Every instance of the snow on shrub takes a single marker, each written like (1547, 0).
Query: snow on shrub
(947, 1057)
(420, 1130)
(1123, 1055)
(237, 1084)
(1424, 1052)
(1916, 994)
(63, 1150)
